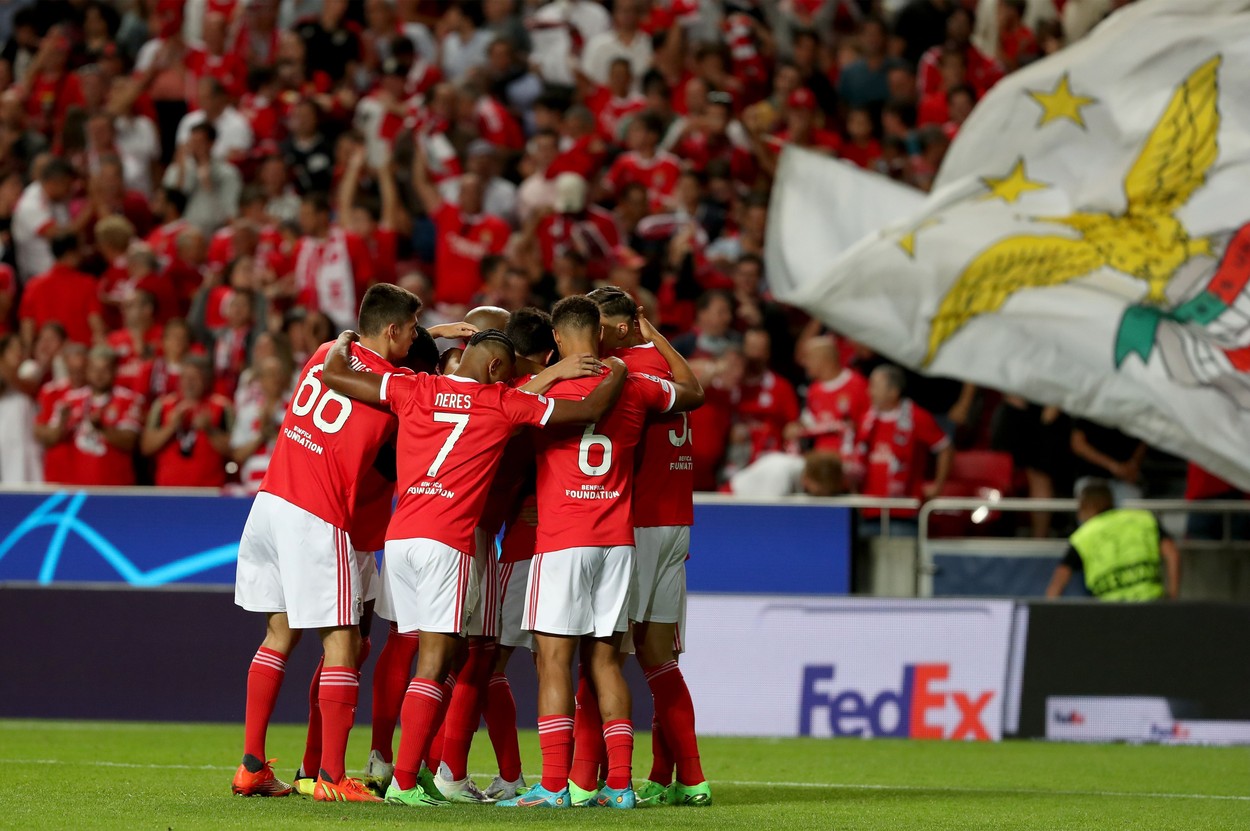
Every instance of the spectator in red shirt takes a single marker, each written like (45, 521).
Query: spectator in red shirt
(645, 163)
(212, 60)
(64, 294)
(188, 432)
(983, 71)
(138, 343)
(165, 374)
(168, 206)
(186, 271)
(575, 225)
(863, 148)
(616, 101)
(800, 130)
(767, 402)
(837, 397)
(50, 88)
(465, 235)
(102, 421)
(1017, 45)
(332, 267)
(892, 446)
(934, 105)
(58, 444)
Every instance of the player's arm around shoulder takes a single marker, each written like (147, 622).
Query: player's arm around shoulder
(689, 392)
(593, 407)
(339, 376)
(574, 366)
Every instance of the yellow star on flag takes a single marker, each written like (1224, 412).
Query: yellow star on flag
(907, 242)
(1061, 103)
(1011, 187)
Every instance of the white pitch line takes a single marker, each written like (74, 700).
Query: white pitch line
(842, 786)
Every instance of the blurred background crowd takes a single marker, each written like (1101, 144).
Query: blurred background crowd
(194, 195)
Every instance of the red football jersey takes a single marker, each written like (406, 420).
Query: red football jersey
(92, 460)
(834, 409)
(658, 175)
(891, 450)
(372, 512)
(766, 406)
(664, 469)
(586, 474)
(326, 442)
(189, 459)
(452, 433)
(58, 458)
(462, 243)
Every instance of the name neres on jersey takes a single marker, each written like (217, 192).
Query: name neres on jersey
(453, 401)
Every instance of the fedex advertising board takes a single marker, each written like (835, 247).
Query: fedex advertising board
(870, 668)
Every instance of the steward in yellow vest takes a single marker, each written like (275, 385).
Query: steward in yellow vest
(1123, 554)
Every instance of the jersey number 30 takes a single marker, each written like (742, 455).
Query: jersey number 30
(315, 402)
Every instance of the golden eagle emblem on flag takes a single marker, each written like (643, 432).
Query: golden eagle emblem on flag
(1146, 241)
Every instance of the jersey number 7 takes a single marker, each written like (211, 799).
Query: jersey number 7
(461, 421)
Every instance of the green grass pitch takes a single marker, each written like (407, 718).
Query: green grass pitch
(94, 775)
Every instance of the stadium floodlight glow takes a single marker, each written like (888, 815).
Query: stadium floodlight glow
(980, 515)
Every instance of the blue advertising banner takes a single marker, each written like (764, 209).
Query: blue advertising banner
(155, 540)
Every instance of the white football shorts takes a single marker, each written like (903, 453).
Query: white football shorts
(580, 591)
(484, 617)
(295, 562)
(370, 579)
(658, 594)
(427, 586)
(513, 578)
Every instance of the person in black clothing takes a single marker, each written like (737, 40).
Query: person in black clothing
(308, 154)
(1106, 453)
(332, 44)
(921, 25)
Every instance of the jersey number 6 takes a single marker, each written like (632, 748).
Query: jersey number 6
(316, 402)
(592, 439)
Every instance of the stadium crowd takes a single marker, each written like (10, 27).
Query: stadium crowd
(195, 195)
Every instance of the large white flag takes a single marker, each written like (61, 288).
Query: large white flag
(1087, 243)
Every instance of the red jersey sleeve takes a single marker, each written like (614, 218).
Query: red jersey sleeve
(928, 432)
(526, 408)
(657, 394)
(399, 391)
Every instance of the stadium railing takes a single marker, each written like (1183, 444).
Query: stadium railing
(1170, 511)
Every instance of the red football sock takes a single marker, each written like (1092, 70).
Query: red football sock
(434, 753)
(312, 744)
(661, 755)
(422, 704)
(264, 679)
(340, 689)
(390, 680)
(555, 737)
(464, 712)
(588, 752)
(618, 738)
(675, 711)
(501, 724)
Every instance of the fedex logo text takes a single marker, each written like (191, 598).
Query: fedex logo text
(912, 711)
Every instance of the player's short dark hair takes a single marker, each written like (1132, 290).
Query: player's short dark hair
(489, 263)
(614, 302)
(384, 304)
(423, 354)
(529, 329)
(494, 340)
(175, 199)
(63, 244)
(576, 312)
(894, 376)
